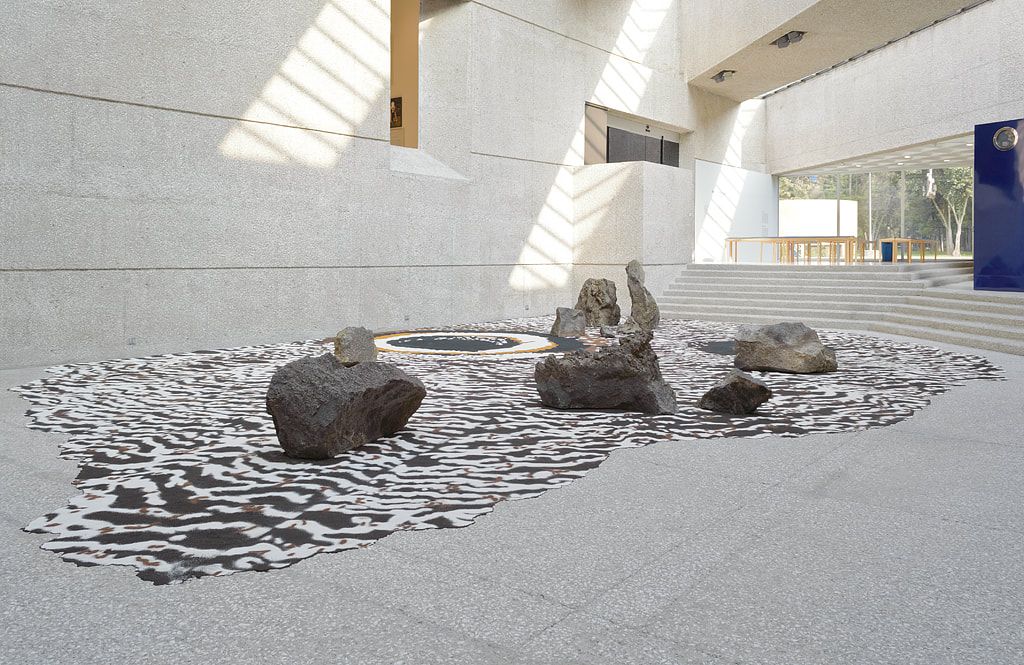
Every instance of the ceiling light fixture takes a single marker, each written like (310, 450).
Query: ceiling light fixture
(791, 37)
(721, 76)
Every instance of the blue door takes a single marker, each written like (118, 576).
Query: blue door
(999, 206)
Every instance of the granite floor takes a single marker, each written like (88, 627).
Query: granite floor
(895, 545)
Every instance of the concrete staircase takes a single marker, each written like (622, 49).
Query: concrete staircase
(931, 301)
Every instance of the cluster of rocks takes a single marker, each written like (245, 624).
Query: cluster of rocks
(597, 307)
(326, 405)
(323, 406)
(784, 347)
(624, 376)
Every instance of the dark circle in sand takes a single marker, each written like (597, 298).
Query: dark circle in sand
(453, 342)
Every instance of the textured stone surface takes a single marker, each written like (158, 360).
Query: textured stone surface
(355, 345)
(737, 393)
(625, 377)
(609, 332)
(783, 347)
(598, 302)
(569, 323)
(643, 313)
(322, 408)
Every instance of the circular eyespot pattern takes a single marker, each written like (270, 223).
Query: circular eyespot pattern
(460, 342)
(1006, 139)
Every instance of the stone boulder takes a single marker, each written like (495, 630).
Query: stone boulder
(355, 345)
(737, 394)
(624, 377)
(598, 303)
(643, 313)
(783, 347)
(609, 332)
(321, 407)
(569, 323)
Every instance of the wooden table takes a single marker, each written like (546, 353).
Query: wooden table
(837, 249)
(910, 243)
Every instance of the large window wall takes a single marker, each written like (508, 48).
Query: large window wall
(932, 204)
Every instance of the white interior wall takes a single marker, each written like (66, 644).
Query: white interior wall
(732, 202)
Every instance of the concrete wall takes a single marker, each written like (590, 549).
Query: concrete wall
(937, 83)
(632, 210)
(716, 29)
(731, 202)
(186, 175)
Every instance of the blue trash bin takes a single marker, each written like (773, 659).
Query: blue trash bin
(886, 252)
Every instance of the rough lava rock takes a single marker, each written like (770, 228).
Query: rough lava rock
(609, 332)
(598, 303)
(738, 394)
(322, 408)
(643, 313)
(569, 323)
(783, 347)
(355, 345)
(624, 377)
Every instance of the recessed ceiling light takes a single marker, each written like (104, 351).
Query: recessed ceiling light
(857, 165)
(969, 145)
(945, 160)
(899, 163)
(906, 156)
(791, 37)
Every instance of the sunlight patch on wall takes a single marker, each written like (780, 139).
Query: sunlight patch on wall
(334, 80)
(546, 259)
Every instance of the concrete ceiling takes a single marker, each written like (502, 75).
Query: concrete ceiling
(837, 30)
(944, 153)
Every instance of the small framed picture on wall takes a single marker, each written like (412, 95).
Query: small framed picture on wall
(396, 112)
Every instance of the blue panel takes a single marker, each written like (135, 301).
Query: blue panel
(998, 209)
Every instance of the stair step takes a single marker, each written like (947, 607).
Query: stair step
(926, 299)
(953, 325)
(960, 339)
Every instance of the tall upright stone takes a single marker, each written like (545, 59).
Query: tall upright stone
(599, 303)
(644, 314)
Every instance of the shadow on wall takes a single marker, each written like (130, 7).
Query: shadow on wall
(547, 256)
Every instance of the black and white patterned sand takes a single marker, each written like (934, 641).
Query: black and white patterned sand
(181, 476)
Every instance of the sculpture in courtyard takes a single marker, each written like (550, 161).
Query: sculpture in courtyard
(644, 314)
(626, 376)
(738, 394)
(783, 347)
(598, 302)
(355, 345)
(569, 323)
(321, 407)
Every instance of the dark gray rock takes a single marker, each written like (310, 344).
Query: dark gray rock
(643, 313)
(783, 347)
(598, 303)
(322, 408)
(737, 394)
(355, 345)
(624, 377)
(569, 323)
(609, 332)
